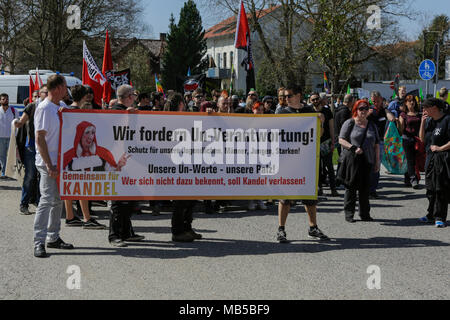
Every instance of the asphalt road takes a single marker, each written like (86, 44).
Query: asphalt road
(239, 257)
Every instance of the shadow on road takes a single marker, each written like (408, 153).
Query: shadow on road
(226, 247)
(6, 188)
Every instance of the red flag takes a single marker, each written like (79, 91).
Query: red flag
(38, 82)
(243, 41)
(107, 68)
(31, 90)
(92, 75)
(242, 29)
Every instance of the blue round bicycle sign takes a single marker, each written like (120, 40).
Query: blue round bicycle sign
(427, 69)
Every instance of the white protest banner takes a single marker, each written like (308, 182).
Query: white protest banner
(119, 155)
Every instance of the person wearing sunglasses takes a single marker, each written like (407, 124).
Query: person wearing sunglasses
(294, 98)
(360, 142)
(281, 99)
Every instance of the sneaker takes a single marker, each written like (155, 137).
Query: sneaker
(183, 237)
(59, 244)
(24, 211)
(261, 205)
(135, 238)
(415, 185)
(425, 220)
(367, 219)
(92, 224)
(440, 224)
(39, 251)
(195, 235)
(281, 236)
(3, 178)
(251, 206)
(315, 233)
(118, 243)
(75, 222)
(374, 195)
(156, 211)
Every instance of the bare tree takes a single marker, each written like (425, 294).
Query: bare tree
(331, 35)
(12, 20)
(47, 42)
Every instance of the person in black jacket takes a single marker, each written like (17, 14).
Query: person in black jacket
(27, 151)
(435, 133)
(120, 228)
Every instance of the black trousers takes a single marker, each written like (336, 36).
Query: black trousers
(438, 205)
(409, 145)
(363, 190)
(182, 216)
(327, 169)
(120, 221)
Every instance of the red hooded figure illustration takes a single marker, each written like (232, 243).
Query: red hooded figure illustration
(86, 154)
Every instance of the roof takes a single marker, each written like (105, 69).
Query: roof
(228, 26)
(156, 47)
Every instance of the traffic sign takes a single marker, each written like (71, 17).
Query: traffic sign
(427, 69)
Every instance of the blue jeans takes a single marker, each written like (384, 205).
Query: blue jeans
(4, 145)
(30, 187)
(47, 222)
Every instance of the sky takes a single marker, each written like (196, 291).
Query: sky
(157, 15)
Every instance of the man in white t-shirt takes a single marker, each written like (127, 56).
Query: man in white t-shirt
(7, 115)
(47, 223)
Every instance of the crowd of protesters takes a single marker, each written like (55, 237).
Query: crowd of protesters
(356, 128)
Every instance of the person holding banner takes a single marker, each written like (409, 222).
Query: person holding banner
(47, 223)
(294, 105)
(120, 227)
(361, 155)
(182, 210)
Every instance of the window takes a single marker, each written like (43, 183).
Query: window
(224, 60)
(218, 62)
(22, 94)
(231, 59)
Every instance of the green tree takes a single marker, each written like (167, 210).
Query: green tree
(186, 46)
(138, 60)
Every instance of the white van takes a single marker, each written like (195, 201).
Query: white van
(18, 86)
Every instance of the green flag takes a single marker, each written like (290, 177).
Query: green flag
(421, 94)
(394, 95)
(348, 89)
